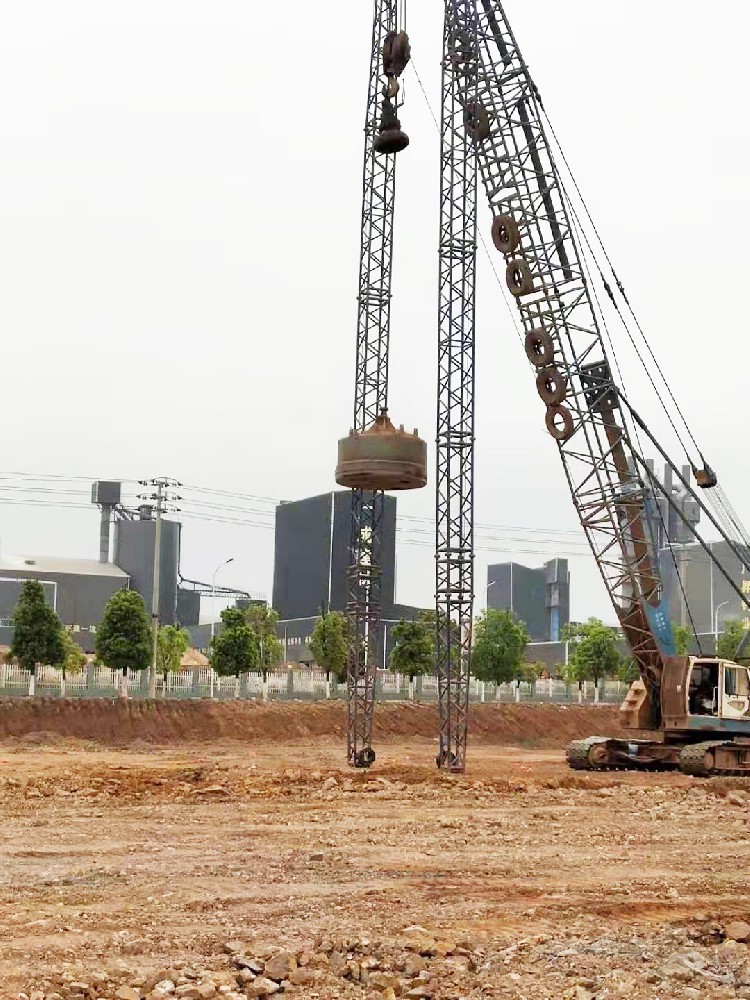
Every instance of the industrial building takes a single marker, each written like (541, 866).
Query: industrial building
(78, 589)
(311, 555)
(311, 561)
(698, 594)
(539, 597)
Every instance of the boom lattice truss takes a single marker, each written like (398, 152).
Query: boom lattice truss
(370, 399)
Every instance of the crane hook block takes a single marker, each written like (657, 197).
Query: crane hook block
(382, 458)
(705, 478)
(505, 233)
(390, 138)
(518, 277)
(540, 348)
(396, 53)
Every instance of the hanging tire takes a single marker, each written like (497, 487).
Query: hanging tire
(505, 233)
(518, 277)
(551, 385)
(476, 121)
(540, 348)
(559, 422)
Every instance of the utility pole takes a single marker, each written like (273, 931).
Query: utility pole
(162, 497)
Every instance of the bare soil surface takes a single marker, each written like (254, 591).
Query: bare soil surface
(267, 867)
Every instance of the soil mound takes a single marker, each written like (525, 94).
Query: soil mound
(127, 723)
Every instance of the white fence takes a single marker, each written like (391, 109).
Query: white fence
(286, 684)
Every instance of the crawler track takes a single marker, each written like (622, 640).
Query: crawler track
(600, 753)
(698, 758)
(603, 753)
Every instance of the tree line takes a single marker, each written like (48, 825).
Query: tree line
(248, 642)
(498, 654)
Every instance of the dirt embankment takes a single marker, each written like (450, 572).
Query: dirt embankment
(119, 722)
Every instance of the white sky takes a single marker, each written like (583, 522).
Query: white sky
(179, 231)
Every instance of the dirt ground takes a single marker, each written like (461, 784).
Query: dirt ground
(226, 867)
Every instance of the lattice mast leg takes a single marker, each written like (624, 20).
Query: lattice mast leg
(370, 398)
(455, 417)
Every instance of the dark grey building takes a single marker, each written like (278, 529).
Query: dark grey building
(672, 522)
(539, 597)
(311, 555)
(134, 553)
(78, 589)
(695, 588)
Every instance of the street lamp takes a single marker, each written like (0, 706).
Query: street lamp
(490, 584)
(213, 592)
(716, 625)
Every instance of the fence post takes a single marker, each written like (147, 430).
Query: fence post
(290, 683)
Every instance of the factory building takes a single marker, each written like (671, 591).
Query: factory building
(311, 561)
(311, 554)
(539, 597)
(78, 589)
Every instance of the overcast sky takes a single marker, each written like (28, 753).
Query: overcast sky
(180, 191)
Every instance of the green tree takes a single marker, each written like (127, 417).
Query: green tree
(413, 652)
(37, 632)
(264, 620)
(627, 670)
(329, 643)
(531, 672)
(123, 638)
(500, 643)
(171, 644)
(731, 635)
(592, 651)
(236, 649)
(682, 638)
(73, 658)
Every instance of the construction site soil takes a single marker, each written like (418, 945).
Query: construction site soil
(203, 850)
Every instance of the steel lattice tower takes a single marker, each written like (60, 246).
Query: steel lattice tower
(370, 398)
(455, 417)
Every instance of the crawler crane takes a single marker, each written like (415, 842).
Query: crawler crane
(691, 712)
(687, 712)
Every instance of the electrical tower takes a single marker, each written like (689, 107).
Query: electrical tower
(161, 498)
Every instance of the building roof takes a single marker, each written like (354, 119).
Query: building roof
(59, 564)
(193, 658)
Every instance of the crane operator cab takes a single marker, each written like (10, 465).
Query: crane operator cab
(719, 688)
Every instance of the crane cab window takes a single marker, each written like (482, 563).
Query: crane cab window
(704, 682)
(736, 682)
(736, 699)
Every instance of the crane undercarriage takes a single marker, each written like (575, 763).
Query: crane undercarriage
(704, 759)
(699, 725)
